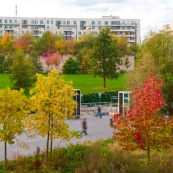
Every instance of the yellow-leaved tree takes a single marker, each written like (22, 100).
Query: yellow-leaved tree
(13, 111)
(52, 103)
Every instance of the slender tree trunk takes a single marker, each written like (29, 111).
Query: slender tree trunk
(48, 137)
(51, 140)
(5, 156)
(148, 150)
(47, 148)
(104, 80)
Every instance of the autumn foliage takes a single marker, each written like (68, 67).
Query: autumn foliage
(144, 127)
(52, 59)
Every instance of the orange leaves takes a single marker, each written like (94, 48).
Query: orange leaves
(146, 127)
(6, 43)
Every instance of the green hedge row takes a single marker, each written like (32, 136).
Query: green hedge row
(96, 97)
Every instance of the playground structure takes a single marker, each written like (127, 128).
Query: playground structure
(119, 105)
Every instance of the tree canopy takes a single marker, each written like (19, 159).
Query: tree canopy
(105, 56)
(22, 71)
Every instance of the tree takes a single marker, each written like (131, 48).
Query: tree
(25, 42)
(7, 48)
(61, 46)
(87, 41)
(12, 112)
(22, 71)
(105, 56)
(122, 45)
(36, 61)
(154, 56)
(52, 59)
(7, 45)
(71, 47)
(85, 64)
(46, 43)
(143, 126)
(70, 66)
(2, 59)
(52, 101)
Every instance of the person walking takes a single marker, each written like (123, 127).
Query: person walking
(99, 111)
(84, 127)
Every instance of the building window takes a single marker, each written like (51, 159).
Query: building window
(6, 21)
(47, 21)
(58, 22)
(79, 32)
(123, 27)
(93, 27)
(25, 22)
(32, 21)
(99, 22)
(0, 26)
(93, 22)
(47, 27)
(10, 21)
(68, 22)
(123, 23)
(74, 22)
(36, 21)
(82, 22)
(15, 21)
(6, 26)
(0, 20)
(64, 22)
(52, 22)
(106, 23)
(10, 27)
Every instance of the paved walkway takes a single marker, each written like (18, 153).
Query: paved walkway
(97, 129)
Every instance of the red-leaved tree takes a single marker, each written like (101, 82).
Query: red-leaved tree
(143, 126)
(52, 59)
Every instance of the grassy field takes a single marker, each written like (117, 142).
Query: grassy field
(85, 82)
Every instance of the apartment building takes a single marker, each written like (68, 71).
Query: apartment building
(72, 28)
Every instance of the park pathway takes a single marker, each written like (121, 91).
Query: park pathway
(97, 129)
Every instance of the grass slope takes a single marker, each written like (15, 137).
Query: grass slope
(86, 82)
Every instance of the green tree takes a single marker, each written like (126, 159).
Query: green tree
(52, 101)
(46, 43)
(22, 71)
(36, 61)
(155, 56)
(70, 66)
(12, 112)
(2, 59)
(105, 56)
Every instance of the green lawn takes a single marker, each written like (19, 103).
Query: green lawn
(85, 82)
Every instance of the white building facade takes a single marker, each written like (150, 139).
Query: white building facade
(72, 28)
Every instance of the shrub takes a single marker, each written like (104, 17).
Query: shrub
(106, 97)
(71, 66)
(94, 97)
(90, 98)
